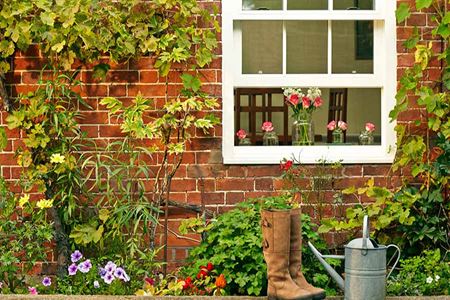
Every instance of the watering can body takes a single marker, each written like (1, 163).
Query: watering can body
(365, 267)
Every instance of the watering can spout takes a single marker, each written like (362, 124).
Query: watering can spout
(339, 280)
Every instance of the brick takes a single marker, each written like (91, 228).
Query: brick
(265, 184)
(228, 184)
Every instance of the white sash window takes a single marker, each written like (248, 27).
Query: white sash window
(347, 45)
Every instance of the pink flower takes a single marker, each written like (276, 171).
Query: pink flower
(331, 126)
(241, 134)
(267, 127)
(32, 290)
(318, 102)
(342, 125)
(293, 99)
(370, 127)
(306, 102)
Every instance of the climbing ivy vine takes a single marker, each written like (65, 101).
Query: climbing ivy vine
(69, 34)
(416, 213)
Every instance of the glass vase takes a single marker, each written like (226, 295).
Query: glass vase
(245, 142)
(303, 129)
(270, 139)
(366, 138)
(337, 136)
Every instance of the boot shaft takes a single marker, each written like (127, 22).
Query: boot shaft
(276, 226)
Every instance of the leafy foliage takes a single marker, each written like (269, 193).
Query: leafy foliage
(427, 274)
(22, 236)
(415, 215)
(233, 245)
(67, 30)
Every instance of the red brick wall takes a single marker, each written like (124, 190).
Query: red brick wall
(202, 175)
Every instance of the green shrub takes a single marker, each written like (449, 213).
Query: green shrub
(427, 274)
(233, 245)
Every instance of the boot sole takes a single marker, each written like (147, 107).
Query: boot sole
(319, 296)
(298, 298)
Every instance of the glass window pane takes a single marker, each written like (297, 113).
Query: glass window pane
(262, 44)
(307, 44)
(353, 4)
(262, 4)
(307, 4)
(352, 47)
(355, 106)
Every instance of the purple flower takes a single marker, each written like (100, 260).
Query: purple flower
(108, 278)
(85, 266)
(102, 272)
(96, 284)
(76, 256)
(119, 273)
(73, 268)
(110, 267)
(47, 281)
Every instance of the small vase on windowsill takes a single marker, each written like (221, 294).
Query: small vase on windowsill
(366, 138)
(270, 137)
(245, 142)
(243, 139)
(338, 136)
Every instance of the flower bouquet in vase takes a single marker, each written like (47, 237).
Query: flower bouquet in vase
(243, 139)
(302, 107)
(270, 137)
(337, 129)
(366, 136)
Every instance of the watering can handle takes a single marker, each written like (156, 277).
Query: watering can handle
(366, 231)
(396, 261)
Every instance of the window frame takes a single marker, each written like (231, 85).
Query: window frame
(383, 77)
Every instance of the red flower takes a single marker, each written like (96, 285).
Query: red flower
(150, 281)
(286, 166)
(210, 267)
(187, 283)
(202, 274)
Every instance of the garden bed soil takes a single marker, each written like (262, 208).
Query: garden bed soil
(64, 297)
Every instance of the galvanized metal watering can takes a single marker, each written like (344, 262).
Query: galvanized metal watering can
(365, 267)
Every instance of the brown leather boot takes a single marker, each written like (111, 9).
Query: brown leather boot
(295, 257)
(275, 230)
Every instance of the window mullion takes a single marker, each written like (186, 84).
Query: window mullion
(330, 5)
(330, 47)
(284, 48)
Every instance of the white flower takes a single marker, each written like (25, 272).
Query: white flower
(437, 277)
(429, 280)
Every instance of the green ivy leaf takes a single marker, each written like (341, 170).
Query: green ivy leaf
(100, 71)
(402, 12)
(48, 18)
(191, 82)
(421, 4)
(3, 139)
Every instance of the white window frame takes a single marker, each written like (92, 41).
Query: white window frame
(383, 77)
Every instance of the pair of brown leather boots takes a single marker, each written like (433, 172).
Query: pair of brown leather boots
(282, 243)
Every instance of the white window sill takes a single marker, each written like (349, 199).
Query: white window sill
(250, 155)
